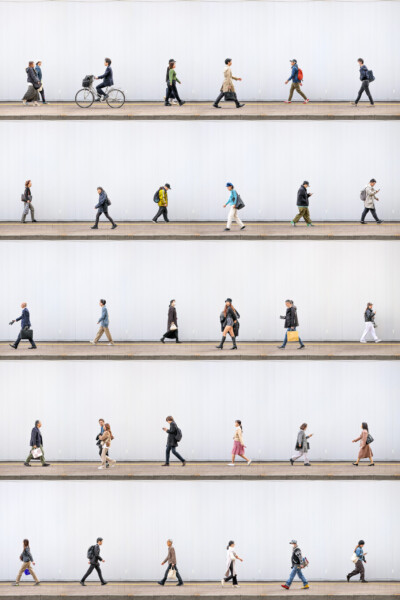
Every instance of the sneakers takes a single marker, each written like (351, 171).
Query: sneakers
(293, 224)
(285, 586)
(222, 582)
(231, 464)
(114, 226)
(377, 341)
(306, 102)
(93, 342)
(301, 347)
(216, 106)
(100, 468)
(27, 464)
(305, 587)
(291, 461)
(310, 225)
(110, 344)
(249, 462)
(287, 101)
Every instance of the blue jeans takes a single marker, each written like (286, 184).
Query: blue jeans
(285, 340)
(296, 571)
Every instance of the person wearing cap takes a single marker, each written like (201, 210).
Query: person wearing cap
(162, 203)
(359, 560)
(369, 206)
(94, 560)
(303, 202)
(172, 84)
(297, 565)
(296, 83)
(233, 211)
(229, 324)
(171, 560)
(227, 85)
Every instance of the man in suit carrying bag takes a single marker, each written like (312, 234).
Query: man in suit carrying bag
(26, 332)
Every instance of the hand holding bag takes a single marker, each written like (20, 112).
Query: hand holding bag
(171, 574)
(36, 452)
(173, 327)
(26, 334)
(292, 336)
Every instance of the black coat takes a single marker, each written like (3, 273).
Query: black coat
(36, 437)
(302, 196)
(32, 76)
(234, 314)
(291, 319)
(369, 315)
(97, 558)
(107, 76)
(171, 439)
(172, 317)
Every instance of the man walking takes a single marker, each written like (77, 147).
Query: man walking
(26, 332)
(297, 565)
(36, 444)
(233, 211)
(107, 78)
(171, 560)
(365, 77)
(303, 202)
(296, 83)
(369, 205)
(103, 322)
(174, 436)
(162, 196)
(94, 557)
(38, 70)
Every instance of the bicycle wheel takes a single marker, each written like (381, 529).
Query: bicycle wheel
(116, 98)
(84, 98)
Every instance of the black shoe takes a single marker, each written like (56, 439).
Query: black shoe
(162, 340)
(239, 105)
(165, 465)
(233, 348)
(98, 99)
(182, 103)
(12, 346)
(363, 222)
(216, 106)
(82, 583)
(104, 582)
(114, 226)
(355, 464)
(226, 229)
(291, 461)
(379, 222)
(301, 347)
(348, 577)
(178, 584)
(107, 465)
(364, 580)
(34, 221)
(184, 463)
(27, 464)
(94, 227)
(244, 227)
(32, 348)
(46, 465)
(178, 342)
(281, 347)
(166, 104)
(371, 464)
(160, 583)
(307, 464)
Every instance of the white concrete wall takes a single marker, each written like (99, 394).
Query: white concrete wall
(70, 397)
(330, 282)
(136, 518)
(72, 40)
(266, 161)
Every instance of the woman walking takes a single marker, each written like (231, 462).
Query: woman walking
(365, 439)
(172, 326)
(238, 444)
(106, 439)
(171, 89)
(102, 208)
(227, 86)
(358, 559)
(231, 557)
(229, 324)
(291, 322)
(27, 559)
(32, 93)
(26, 198)
(302, 446)
(369, 318)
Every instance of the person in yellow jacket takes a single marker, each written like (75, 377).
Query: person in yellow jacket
(162, 203)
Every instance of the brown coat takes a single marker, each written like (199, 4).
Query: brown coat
(227, 85)
(171, 557)
(106, 438)
(365, 449)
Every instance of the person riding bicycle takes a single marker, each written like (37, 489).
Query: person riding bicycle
(107, 78)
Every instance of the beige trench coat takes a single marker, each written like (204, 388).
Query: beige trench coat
(227, 85)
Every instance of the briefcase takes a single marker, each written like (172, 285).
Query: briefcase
(26, 334)
(292, 336)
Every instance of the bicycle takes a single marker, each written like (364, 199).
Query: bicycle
(85, 97)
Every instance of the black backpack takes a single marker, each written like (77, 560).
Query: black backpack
(239, 203)
(90, 553)
(87, 81)
(371, 76)
(178, 434)
(156, 197)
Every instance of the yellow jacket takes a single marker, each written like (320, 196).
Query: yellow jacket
(162, 194)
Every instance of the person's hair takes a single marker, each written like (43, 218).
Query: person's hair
(226, 309)
(169, 540)
(169, 418)
(101, 420)
(27, 182)
(361, 60)
(228, 60)
(36, 422)
(230, 544)
(171, 301)
(369, 304)
(39, 61)
(102, 301)
(360, 543)
(372, 180)
(108, 61)
(303, 426)
(290, 301)
(99, 539)
(108, 428)
(31, 63)
(100, 188)
(364, 425)
(26, 543)
(171, 64)
(239, 422)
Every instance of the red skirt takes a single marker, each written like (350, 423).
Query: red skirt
(238, 448)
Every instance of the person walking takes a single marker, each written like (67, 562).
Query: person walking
(172, 95)
(161, 198)
(227, 88)
(296, 78)
(291, 323)
(107, 78)
(358, 559)
(26, 198)
(104, 323)
(229, 319)
(302, 446)
(36, 444)
(298, 563)
(106, 437)
(174, 436)
(99, 442)
(369, 205)
(238, 444)
(303, 201)
(365, 77)
(39, 74)
(172, 325)
(171, 560)
(102, 208)
(365, 439)
(171, 89)
(27, 560)
(94, 557)
(32, 94)
(369, 318)
(26, 332)
(231, 558)
(233, 211)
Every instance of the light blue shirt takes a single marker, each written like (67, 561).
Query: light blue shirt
(232, 198)
(360, 553)
(104, 317)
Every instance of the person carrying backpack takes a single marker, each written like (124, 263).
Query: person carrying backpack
(174, 436)
(161, 198)
(368, 195)
(366, 77)
(298, 563)
(296, 78)
(235, 203)
(102, 208)
(94, 557)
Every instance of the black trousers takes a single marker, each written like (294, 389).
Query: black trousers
(162, 210)
(164, 579)
(172, 91)
(19, 338)
(171, 335)
(231, 576)
(359, 568)
(99, 88)
(42, 95)
(364, 88)
(172, 449)
(372, 211)
(90, 569)
(105, 213)
(222, 95)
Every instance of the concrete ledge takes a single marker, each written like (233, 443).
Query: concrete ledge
(203, 111)
(199, 231)
(201, 351)
(201, 471)
(320, 590)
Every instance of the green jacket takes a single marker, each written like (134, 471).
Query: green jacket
(162, 194)
(172, 76)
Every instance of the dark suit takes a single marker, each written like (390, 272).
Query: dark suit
(94, 564)
(36, 440)
(25, 324)
(108, 80)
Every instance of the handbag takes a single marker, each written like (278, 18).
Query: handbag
(292, 336)
(239, 203)
(354, 557)
(26, 334)
(171, 574)
(36, 453)
(370, 439)
(173, 327)
(230, 96)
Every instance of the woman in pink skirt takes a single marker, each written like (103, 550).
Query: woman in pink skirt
(238, 445)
